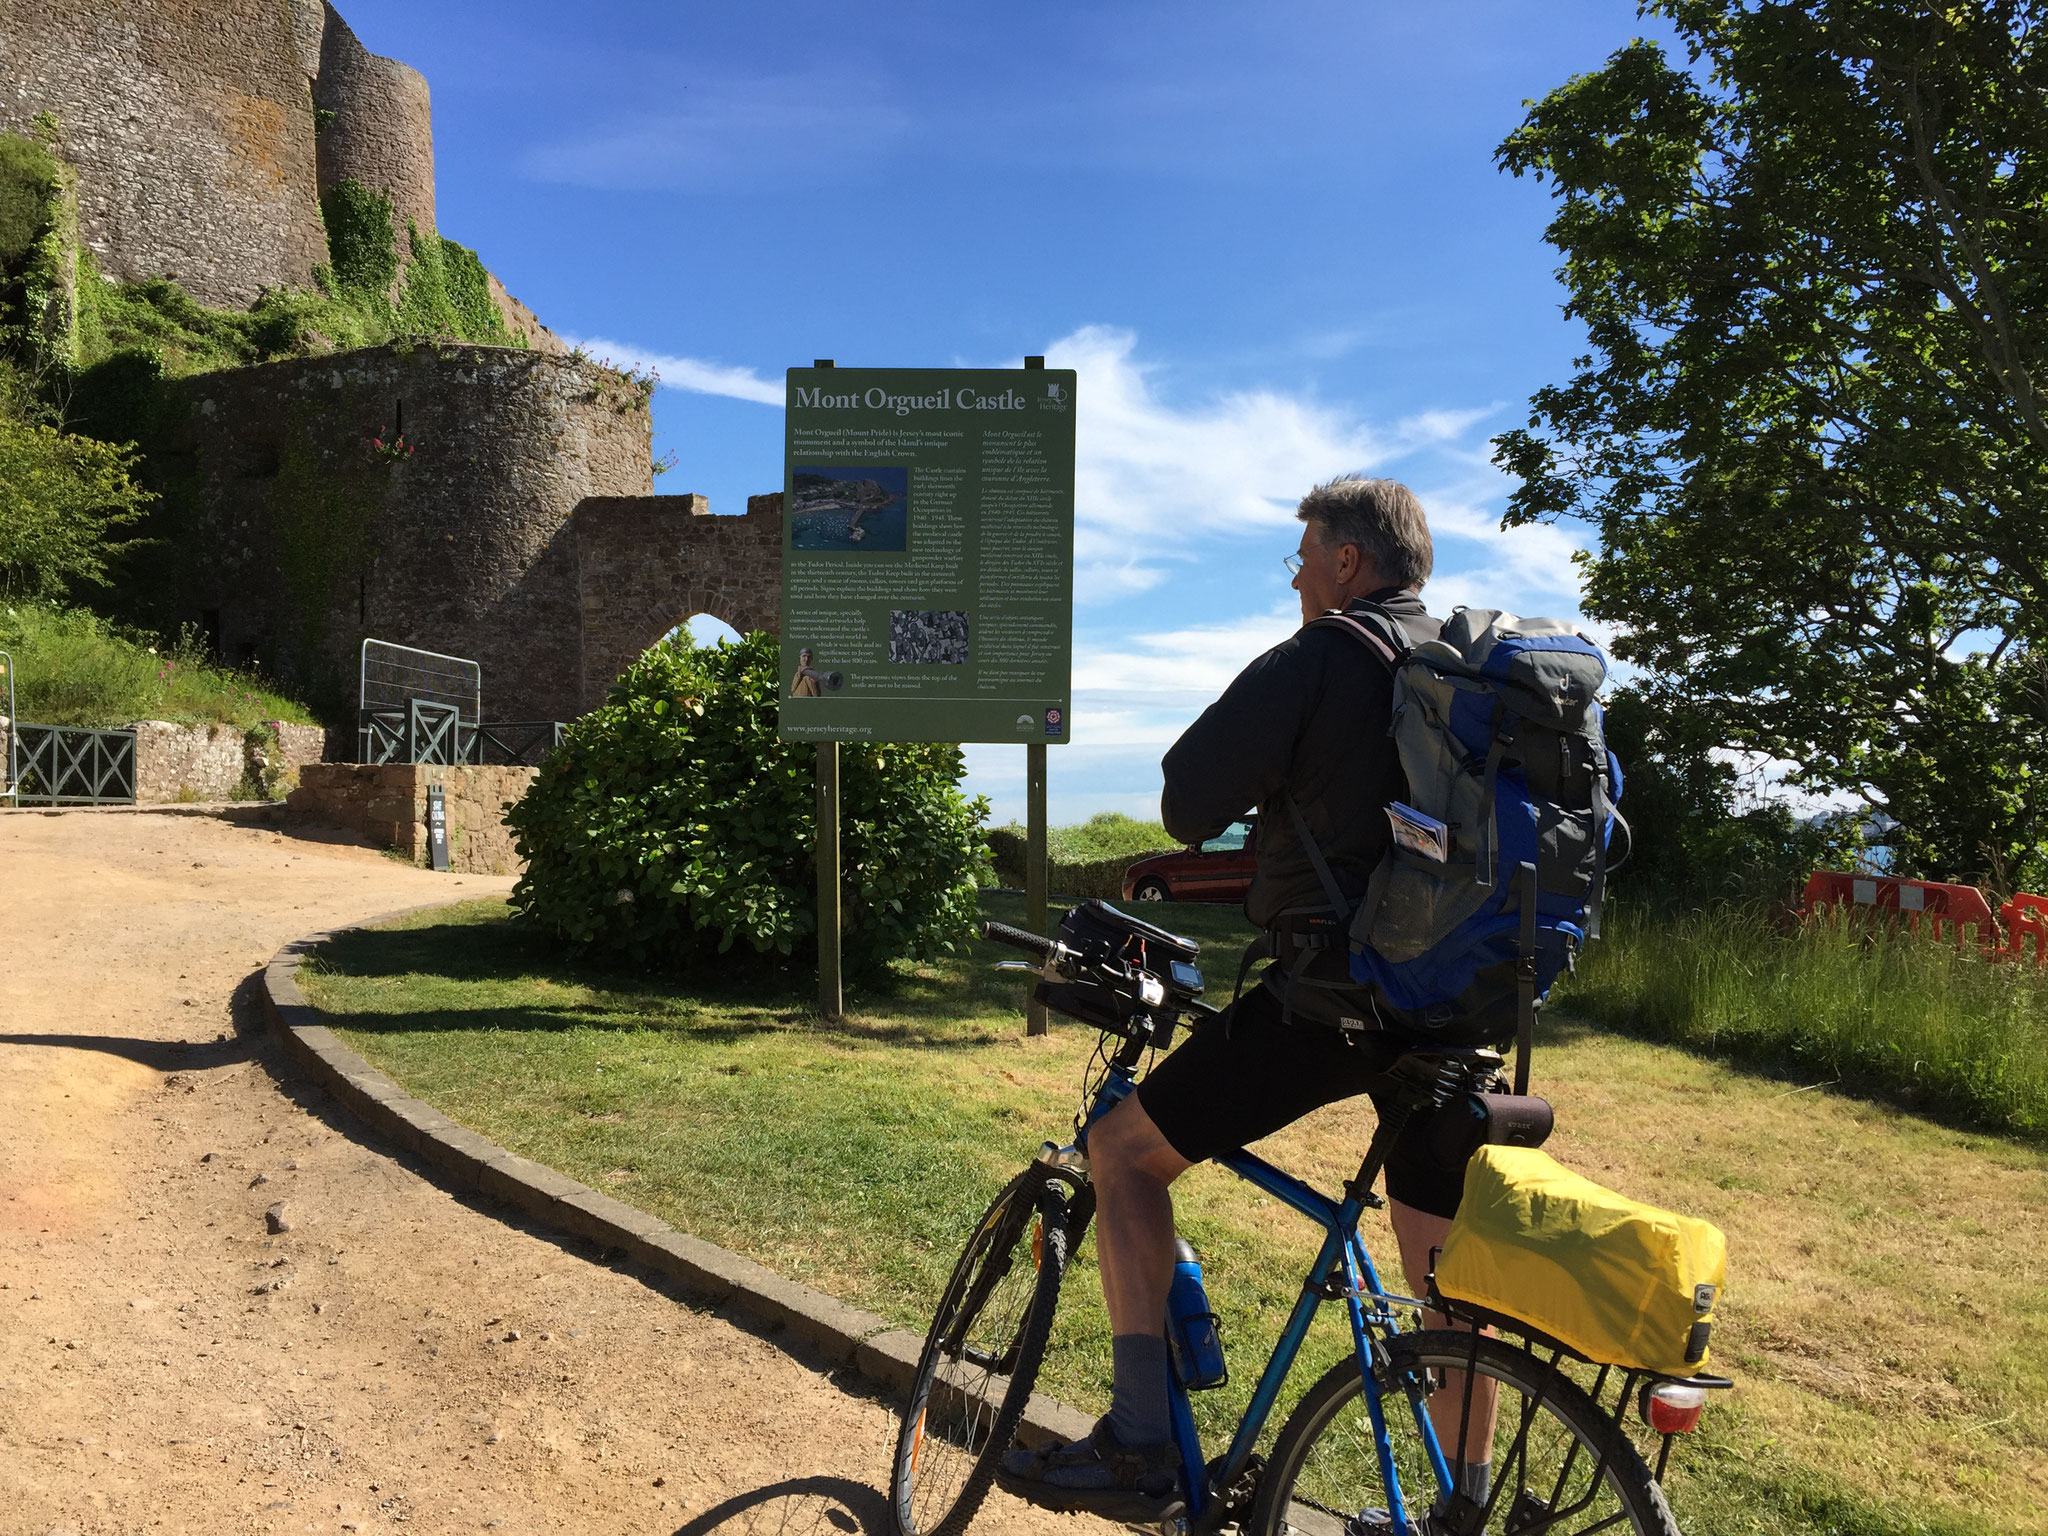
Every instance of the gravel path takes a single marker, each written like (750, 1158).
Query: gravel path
(398, 1359)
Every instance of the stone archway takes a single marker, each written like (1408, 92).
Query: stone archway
(642, 560)
(707, 629)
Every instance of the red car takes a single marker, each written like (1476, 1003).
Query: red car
(1219, 870)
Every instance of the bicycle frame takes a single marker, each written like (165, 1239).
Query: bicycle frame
(1341, 1255)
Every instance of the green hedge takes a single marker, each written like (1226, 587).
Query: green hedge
(1088, 877)
(673, 828)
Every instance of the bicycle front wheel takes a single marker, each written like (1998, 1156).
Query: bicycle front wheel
(1561, 1465)
(981, 1358)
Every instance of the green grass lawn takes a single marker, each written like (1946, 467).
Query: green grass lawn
(1888, 1290)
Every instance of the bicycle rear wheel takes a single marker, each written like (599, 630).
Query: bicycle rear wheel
(981, 1358)
(1561, 1465)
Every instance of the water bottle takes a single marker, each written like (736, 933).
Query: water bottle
(1190, 1326)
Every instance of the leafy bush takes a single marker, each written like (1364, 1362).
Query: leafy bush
(1089, 876)
(30, 179)
(61, 498)
(38, 232)
(74, 668)
(672, 828)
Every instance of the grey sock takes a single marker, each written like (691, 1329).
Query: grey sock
(1475, 1480)
(1138, 1411)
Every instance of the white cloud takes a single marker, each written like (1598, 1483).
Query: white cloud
(687, 373)
(1150, 477)
(1199, 660)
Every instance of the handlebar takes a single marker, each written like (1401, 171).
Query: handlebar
(1017, 938)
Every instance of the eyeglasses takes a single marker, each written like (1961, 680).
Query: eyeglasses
(1293, 564)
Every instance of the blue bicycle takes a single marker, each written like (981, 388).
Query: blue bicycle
(1368, 1450)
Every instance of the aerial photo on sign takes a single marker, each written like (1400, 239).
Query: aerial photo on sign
(928, 555)
(836, 507)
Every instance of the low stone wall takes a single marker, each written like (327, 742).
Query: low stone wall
(388, 805)
(188, 762)
(220, 762)
(296, 746)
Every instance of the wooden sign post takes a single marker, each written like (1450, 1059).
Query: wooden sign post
(831, 996)
(1036, 875)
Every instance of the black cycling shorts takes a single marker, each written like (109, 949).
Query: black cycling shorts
(1226, 1087)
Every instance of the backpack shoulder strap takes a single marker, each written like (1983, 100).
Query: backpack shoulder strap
(1372, 627)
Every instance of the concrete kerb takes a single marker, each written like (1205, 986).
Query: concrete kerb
(844, 1335)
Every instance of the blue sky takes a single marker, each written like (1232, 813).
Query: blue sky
(1270, 237)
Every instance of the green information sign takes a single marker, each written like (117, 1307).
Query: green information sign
(928, 555)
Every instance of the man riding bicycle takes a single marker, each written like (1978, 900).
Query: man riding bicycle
(1301, 731)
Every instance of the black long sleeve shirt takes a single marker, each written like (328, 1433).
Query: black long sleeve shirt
(1310, 717)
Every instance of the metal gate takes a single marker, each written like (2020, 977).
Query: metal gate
(416, 706)
(68, 765)
(7, 765)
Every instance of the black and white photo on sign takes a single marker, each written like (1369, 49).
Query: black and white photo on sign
(928, 636)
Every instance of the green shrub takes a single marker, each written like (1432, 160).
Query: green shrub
(672, 828)
(445, 294)
(61, 499)
(30, 181)
(362, 246)
(74, 668)
(38, 241)
(1092, 874)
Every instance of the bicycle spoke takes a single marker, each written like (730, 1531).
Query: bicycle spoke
(981, 1355)
(1560, 1467)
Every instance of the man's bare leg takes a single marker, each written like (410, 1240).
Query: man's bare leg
(1418, 1232)
(1131, 1165)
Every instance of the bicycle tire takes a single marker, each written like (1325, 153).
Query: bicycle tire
(1324, 1477)
(983, 1332)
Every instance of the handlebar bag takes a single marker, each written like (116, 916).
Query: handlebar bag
(1620, 1282)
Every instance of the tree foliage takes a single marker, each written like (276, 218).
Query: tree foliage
(673, 828)
(61, 497)
(1696, 837)
(1812, 429)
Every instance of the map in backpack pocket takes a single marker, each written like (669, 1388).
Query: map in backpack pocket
(1420, 833)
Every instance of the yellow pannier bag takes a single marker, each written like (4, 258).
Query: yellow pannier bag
(1620, 1282)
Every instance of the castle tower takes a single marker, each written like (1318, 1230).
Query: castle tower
(382, 131)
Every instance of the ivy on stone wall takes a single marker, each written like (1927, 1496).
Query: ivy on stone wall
(447, 294)
(38, 242)
(469, 295)
(362, 248)
(323, 510)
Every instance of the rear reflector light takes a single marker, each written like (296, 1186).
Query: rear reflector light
(1673, 1408)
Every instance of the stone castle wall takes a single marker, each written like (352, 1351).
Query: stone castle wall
(191, 126)
(300, 540)
(191, 130)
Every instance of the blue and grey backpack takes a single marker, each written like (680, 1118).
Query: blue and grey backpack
(1493, 881)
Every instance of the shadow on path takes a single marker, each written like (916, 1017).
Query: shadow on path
(159, 1055)
(797, 1506)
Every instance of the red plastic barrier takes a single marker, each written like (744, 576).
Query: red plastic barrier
(2026, 915)
(1957, 906)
